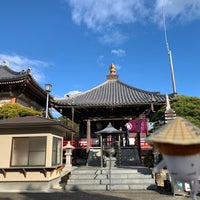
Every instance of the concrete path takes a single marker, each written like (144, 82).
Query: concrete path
(94, 195)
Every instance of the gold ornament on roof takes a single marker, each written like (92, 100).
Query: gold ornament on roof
(112, 69)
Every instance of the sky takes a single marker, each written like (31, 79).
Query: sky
(71, 43)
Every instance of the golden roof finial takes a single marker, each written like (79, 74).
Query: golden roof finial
(112, 75)
(112, 69)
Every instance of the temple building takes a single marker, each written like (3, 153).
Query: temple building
(112, 102)
(21, 87)
(127, 108)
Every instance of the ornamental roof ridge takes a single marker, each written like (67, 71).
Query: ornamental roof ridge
(9, 76)
(7, 73)
(138, 89)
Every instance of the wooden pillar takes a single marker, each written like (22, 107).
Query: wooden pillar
(101, 144)
(88, 134)
(13, 100)
(72, 133)
(138, 138)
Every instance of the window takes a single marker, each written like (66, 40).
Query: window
(28, 151)
(56, 151)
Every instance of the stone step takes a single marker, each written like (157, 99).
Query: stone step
(106, 181)
(85, 178)
(104, 176)
(88, 176)
(84, 187)
(128, 187)
(105, 171)
(127, 181)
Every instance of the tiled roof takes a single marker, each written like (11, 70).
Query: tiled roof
(31, 121)
(31, 88)
(6, 74)
(112, 93)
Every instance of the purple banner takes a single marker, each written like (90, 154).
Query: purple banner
(132, 126)
(143, 125)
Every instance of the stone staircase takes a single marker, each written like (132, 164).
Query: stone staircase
(91, 178)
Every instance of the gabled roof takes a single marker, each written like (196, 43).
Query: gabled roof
(112, 93)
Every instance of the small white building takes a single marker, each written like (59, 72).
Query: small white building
(31, 153)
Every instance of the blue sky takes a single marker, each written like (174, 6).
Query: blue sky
(71, 43)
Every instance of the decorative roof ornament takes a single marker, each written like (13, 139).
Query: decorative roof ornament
(112, 74)
(5, 63)
(28, 71)
(168, 107)
(170, 114)
(112, 69)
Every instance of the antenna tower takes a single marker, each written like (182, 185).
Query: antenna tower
(169, 53)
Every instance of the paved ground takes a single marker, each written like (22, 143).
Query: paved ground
(95, 195)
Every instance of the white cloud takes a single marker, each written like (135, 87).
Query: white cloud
(113, 38)
(180, 10)
(100, 60)
(106, 17)
(18, 63)
(98, 14)
(118, 52)
(118, 67)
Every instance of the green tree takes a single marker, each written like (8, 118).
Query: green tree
(16, 110)
(69, 122)
(185, 106)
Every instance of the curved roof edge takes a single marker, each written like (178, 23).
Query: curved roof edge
(112, 92)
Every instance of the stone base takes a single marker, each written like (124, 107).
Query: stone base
(29, 186)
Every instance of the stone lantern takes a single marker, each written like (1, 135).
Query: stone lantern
(109, 140)
(68, 153)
